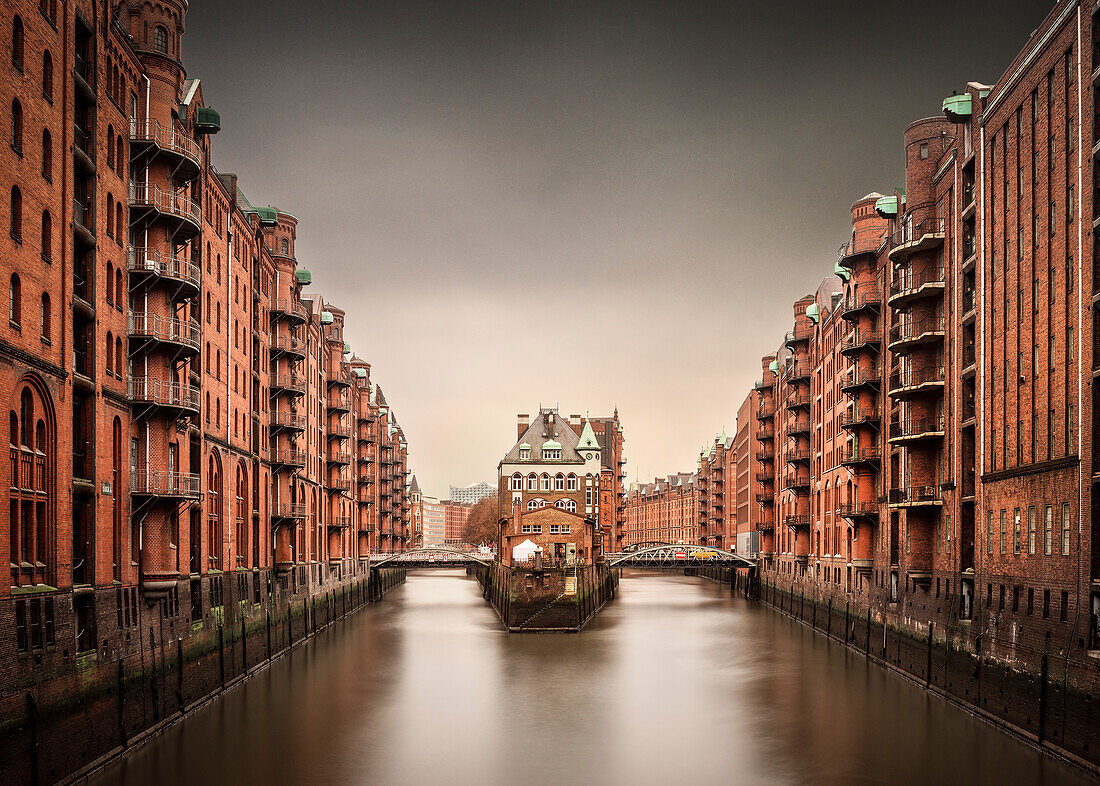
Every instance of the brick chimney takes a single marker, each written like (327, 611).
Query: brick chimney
(522, 422)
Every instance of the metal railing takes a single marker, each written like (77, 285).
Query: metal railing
(339, 457)
(288, 510)
(917, 328)
(860, 375)
(293, 382)
(288, 307)
(853, 454)
(914, 377)
(800, 333)
(796, 521)
(288, 420)
(857, 416)
(167, 202)
(164, 393)
(913, 232)
(906, 281)
(864, 297)
(914, 495)
(169, 139)
(796, 371)
(149, 260)
(164, 483)
(288, 344)
(294, 458)
(860, 509)
(177, 331)
(914, 426)
(858, 338)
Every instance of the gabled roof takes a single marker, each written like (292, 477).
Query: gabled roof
(548, 426)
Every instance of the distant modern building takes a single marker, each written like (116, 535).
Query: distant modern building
(472, 494)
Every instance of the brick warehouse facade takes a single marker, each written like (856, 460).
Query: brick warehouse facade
(926, 431)
(163, 351)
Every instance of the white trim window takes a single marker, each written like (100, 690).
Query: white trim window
(571, 482)
(559, 482)
(517, 482)
(545, 482)
(555, 529)
(566, 528)
(532, 482)
(524, 454)
(551, 455)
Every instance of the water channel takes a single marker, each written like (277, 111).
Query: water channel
(674, 682)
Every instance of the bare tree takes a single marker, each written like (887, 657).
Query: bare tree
(482, 524)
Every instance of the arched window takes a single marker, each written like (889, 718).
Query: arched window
(118, 356)
(15, 300)
(110, 347)
(571, 482)
(532, 482)
(46, 316)
(517, 482)
(17, 126)
(532, 504)
(31, 493)
(559, 482)
(566, 504)
(47, 76)
(110, 215)
(120, 291)
(160, 39)
(120, 224)
(15, 213)
(47, 236)
(545, 482)
(120, 156)
(17, 43)
(47, 155)
(110, 147)
(110, 283)
(284, 247)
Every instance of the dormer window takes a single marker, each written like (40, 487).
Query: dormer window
(551, 455)
(524, 454)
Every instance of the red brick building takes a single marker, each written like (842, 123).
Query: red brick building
(925, 429)
(454, 520)
(714, 481)
(664, 511)
(189, 436)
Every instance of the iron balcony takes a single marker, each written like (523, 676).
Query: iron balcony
(916, 429)
(915, 497)
(909, 286)
(170, 142)
(180, 271)
(184, 334)
(180, 211)
(929, 330)
(283, 308)
(169, 395)
(909, 240)
(162, 483)
(854, 456)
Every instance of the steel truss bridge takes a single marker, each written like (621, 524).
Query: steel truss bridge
(677, 556)
(429, 557)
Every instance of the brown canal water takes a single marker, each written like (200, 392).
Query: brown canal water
(674, 682)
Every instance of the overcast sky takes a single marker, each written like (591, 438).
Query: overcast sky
(591, 204)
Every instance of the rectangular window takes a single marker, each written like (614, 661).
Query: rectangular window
(1053, 218)
(1004, 532)
(1048, 533)
(1071, 430)
(1001, 603)
(1015, 599)
(1065, 528)
(989, 535)
(555, 529)
(1031, 530)
(1046, 603)
(1069, 205)
(1030, 601)
(1016, 531)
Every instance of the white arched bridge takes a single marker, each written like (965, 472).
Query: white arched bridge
(429, 557)
(667, 555)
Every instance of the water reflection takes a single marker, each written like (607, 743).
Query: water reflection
(675, 681)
